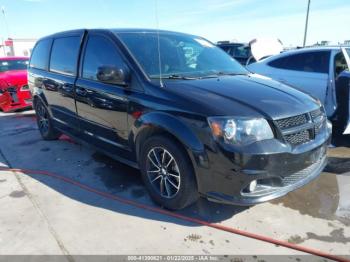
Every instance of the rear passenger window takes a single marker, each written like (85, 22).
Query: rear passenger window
(99, 52)
(64, 55)
(316, 62)
(40, 55)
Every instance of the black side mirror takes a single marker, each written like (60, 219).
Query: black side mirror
(113, 75)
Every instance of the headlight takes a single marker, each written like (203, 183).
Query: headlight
(240, 131)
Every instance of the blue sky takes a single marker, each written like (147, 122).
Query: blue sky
(216, 20)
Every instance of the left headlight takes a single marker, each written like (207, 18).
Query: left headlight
(240, 131)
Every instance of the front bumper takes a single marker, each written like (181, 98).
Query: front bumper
(15, 100)
(277, 168)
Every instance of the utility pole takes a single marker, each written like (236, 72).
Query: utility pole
(306, 22)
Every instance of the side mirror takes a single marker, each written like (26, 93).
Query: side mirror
(113, 75)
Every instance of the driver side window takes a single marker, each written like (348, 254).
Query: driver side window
(99, 52)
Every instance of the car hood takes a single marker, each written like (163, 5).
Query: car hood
(244, 95)
(14, 78)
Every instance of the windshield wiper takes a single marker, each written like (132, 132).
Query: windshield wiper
(217, 74)
(175, 76)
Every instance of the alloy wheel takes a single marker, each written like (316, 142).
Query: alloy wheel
(43, 119)
(163, 172)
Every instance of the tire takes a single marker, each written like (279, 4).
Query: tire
(47, 131)
(170, 172)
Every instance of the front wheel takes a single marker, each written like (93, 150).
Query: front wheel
(47, 131)
(168, 173)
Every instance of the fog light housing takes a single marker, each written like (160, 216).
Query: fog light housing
(252, 185)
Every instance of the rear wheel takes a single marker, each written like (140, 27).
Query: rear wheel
(168, 173)
(47, 131)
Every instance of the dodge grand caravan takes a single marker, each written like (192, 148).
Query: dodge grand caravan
(191, 118)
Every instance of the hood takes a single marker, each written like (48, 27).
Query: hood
(264, 47)
(14, 78)
(244, 95)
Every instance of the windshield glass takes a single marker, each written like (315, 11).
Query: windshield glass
(10, 65)
(180, 55)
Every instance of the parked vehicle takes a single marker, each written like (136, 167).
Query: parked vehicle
(239, 51)
(188, 115)
(323, 72)
(255, 50)
(14, 91)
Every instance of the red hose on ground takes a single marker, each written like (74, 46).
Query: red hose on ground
(182, 217)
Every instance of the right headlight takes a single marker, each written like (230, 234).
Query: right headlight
(240, 131)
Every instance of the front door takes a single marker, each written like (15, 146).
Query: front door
(102, 107)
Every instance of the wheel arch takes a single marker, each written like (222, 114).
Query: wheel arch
(163, 123)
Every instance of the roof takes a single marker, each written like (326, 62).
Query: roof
(114, 30)
(315, 48)
(14, 58)
(224, 43)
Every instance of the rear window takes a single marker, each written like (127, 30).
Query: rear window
(40, 54)
(316, 62)
(12, 65)
(64, 55)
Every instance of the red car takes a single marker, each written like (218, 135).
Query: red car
(14, 91)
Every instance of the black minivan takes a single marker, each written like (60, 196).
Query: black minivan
(191, 118)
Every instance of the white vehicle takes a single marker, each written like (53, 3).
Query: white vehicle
(323, 72)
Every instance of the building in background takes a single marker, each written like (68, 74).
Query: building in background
(17, 46)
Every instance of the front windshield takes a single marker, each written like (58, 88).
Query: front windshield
(180, 55)
(11, 65)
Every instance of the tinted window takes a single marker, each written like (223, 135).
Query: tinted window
(40, 54)
(317, 62)
(12, 65)
(241, 51)
(99, 52)
(227, 49)
(64, 55)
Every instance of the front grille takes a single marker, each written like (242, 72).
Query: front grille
(300, 129)
(12, 89)
(302, 174)
(292, 121)
(316, 113)
(298, 138)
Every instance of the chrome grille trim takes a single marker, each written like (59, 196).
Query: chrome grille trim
(298, 138)
(292, 121)
(301, 129)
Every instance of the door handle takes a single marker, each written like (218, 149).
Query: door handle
(81, 91)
